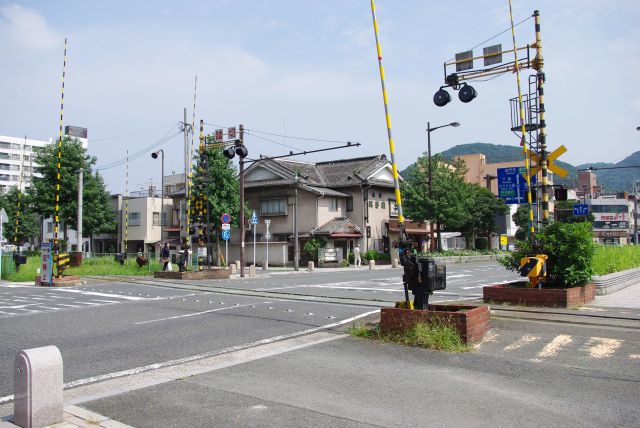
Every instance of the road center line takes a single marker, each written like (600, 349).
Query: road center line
(195, 313)
(81, 396)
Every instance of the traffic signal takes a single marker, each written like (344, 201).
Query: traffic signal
(467, 93)
(238, 149)
(441, 98)
(560, 194)
(229, 152)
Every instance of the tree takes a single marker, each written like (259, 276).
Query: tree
(97, 211)
(521, 219)
(448, 204)
(222, 188)
(28, 225)
(483, 207)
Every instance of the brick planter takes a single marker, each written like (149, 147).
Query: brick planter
(471, 322)
(547, 297)
(191, 275)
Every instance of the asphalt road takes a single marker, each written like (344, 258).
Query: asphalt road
(110, 331)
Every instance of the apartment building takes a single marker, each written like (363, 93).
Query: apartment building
(17, 161)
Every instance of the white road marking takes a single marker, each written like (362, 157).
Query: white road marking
(602, 347)
(18, 306)
(69, 306)
(191, 314)
(634, 357)
(229, 350)
(524, 340)
(459, 275)
(490, 337)
(95, 293)
(552, 348)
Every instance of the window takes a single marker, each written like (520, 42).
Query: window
(333, 204)
(273, 206)
(134, 219)
(49, 227)
(5, 177)
(5, 145)
(4, 155)
(350, 203)
(393, 208)
(156, 219)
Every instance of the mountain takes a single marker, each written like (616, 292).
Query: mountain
(613, 180)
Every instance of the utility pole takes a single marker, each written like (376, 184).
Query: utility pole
(296, 249)
(80, 195)
(241, 164)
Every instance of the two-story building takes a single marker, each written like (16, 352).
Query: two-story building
(345, 202)
(612, 219)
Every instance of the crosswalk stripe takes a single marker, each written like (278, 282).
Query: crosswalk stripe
(524, 340)
(602, 347)
(553, 347)
(489, 337)
(634, 357)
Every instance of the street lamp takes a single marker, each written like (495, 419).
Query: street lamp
(155, 156)
(429, 131)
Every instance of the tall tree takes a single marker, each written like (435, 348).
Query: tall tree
(446, 202)
(28, 224)
(74, 158)
(483, 207)
(97, 214)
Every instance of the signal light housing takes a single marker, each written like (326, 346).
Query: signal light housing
(441, 98)
(467, 93)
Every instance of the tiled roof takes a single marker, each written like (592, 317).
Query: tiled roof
(338, 173)
(337, 225)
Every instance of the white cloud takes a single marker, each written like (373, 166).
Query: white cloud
(26, 28)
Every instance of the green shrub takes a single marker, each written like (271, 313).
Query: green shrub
(312, 246)
(570, 250)
(482, 244)
(370, 255)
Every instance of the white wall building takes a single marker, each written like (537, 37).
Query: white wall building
(17, 157)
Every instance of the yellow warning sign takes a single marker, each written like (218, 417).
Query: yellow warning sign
(558, 170)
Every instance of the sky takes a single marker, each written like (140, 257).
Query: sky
(308, 68)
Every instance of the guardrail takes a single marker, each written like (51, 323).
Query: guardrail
(606, 284)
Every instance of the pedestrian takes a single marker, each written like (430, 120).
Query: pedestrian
(164, 256)
(356, 256)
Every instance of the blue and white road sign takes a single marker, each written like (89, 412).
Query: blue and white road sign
(226, 234)
(254, 218)
(512, 185)
(225, 218)
(580, 209)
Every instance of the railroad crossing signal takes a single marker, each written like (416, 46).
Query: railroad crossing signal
(550, 158)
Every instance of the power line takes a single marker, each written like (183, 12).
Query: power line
(499, 34)
(136, 155)
(319, 140)
(273, 141)
(132, 133)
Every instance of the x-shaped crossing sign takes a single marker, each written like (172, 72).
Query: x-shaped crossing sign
(550, 158)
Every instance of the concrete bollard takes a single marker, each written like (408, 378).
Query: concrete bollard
(372, 264)
(265, 265)
(252, 270)
(237, 264)
(394, 263)
(37, 387)
(310, 266)
(233, 269)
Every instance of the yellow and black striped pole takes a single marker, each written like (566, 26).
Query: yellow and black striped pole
(538, 65)
(527, 162)
(56, 216)
(396, 180)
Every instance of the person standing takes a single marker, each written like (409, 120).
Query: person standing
(164, 256)
(356, 256)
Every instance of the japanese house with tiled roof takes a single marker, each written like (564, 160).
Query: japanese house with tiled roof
(346, 202)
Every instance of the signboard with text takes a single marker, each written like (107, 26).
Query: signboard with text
(512, 185)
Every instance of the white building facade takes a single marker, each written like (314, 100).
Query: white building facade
(17, 161)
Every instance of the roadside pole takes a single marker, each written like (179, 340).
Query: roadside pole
(267, 222)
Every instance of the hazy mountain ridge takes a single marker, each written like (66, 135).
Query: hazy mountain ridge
(613, 180)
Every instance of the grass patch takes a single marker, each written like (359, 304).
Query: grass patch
(609, 259)
(433, 335)
(103, 265)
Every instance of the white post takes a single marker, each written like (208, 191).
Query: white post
(1, 235)
(226, 251)
(254, 243)
(267, 222)
(284, 256)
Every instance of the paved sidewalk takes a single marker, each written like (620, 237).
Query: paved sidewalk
(75, 416)
(628, 297)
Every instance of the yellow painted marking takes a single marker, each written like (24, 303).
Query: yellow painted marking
(602, 347)
(552, 348)
(524, 340)
(488, 338)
